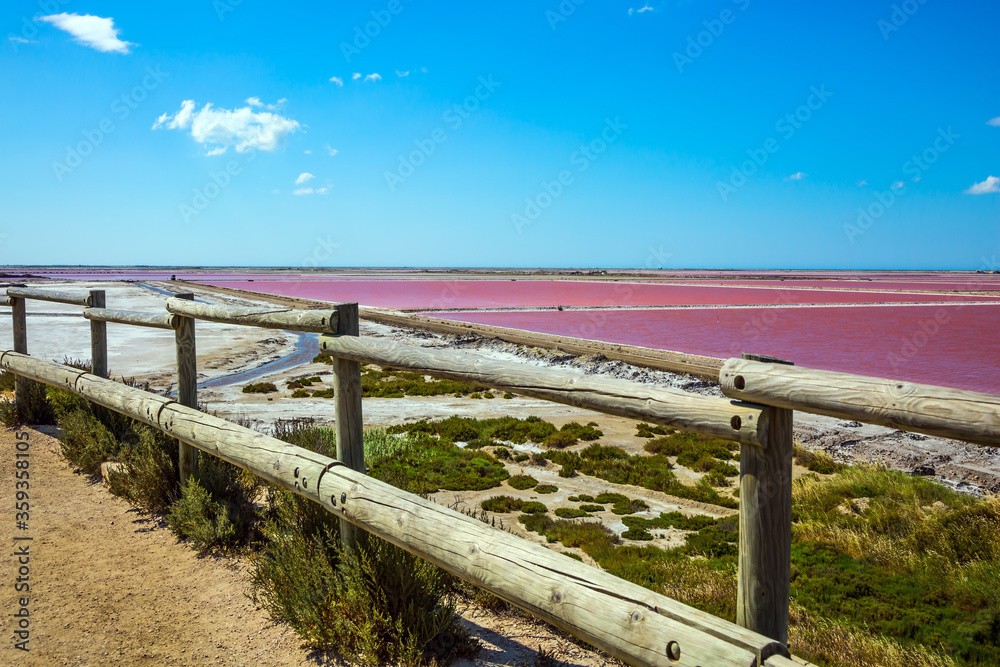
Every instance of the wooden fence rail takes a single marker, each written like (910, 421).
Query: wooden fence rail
(624, 619)
(154, 320)
(940, 411)
(717, 417)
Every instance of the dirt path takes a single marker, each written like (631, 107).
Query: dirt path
(112, 586)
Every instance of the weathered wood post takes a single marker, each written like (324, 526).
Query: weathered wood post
(98, 337)
(766, 525)
(187, 386)
(347, 406)
(19, 320)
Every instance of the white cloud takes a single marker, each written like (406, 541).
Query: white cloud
(797, 176)
(374, 76)
(304, 177)
(308, 152)
(254, 102)
(242, 128)
(988, 187)
(322, 191)
(337, 80)
(355, 76)
(303, 191)
(331, 151)
(221, 150)
(406, 73)
(995, 122)
(22, 40)
(93, 31)
(641, 10)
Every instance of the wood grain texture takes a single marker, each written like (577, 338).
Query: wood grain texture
(5, 301)
(349, 424)
(316, 321)
(56, 296)
(98, 337)
(187, 385)
(765, 544)
(153, 320)
(19, 323)
(627, 620)
(716, 417)
(948, 413)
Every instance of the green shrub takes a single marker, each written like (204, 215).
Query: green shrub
(466, 429)
(522, 457)
(522, 482)
(301, 393)
(546, 488)
(815, 461)
(570, 513)
(148, 478)
(7, 381)
(323, 358)
(592, 508)
(502, 504)
(582, 498)
(534, 507)
(86, 442)
(430, 464)
(216, 508)
(644, 430)
(35, 408)
(260, 388)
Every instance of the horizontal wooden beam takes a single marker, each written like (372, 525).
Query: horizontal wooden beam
(716, 417)
(57, 296)
(154, 320)
(315, 321)
(626, 620)
(5, 301)
(947, 413)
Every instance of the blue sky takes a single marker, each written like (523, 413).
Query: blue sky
(717, 134)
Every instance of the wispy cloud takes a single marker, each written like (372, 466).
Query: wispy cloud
(355, 76)
(304, 177)
(93, 31)
(310, 191)
(990, 186)
(242, 128)
(22, 40)
(337, 80)
(331, 151)
(254, 102)
(641, 10)
(406, 73)
(797, 176)
(995, 122)
(374, 76)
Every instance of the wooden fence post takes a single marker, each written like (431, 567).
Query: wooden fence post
(347, 406)
(19, 320)
(187, 386)
(766, 526)
(98, 337)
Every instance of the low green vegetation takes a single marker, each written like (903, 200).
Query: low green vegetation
(502, 504)
(653, 472)
(430, 464)
(570, 513)
(621, 504)
(493, 431)
(391, 383)
(644, 430)
(546, 488)
(260, 388)
(522, 482)
(819, 462)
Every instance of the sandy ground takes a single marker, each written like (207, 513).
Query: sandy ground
(112, 586)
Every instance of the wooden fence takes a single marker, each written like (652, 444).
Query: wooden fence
(626, 620)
